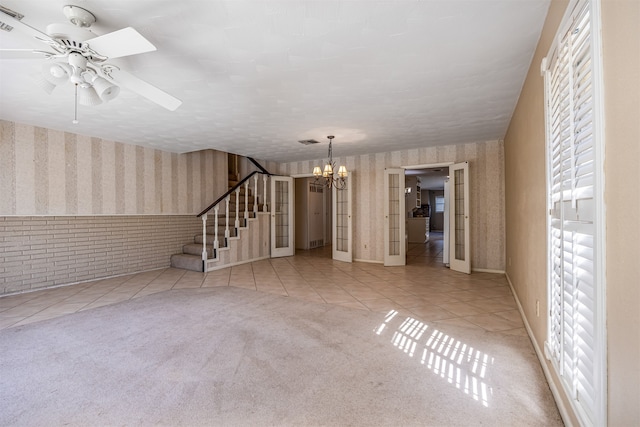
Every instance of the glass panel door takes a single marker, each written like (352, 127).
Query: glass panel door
(282, 219)
(394, 218)
(459, 235)
(342, 227)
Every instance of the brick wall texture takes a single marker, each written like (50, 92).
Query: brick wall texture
(43, 251)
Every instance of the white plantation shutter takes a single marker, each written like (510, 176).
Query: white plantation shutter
(575, 319)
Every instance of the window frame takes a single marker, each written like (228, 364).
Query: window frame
(435, 208)
(597, 413)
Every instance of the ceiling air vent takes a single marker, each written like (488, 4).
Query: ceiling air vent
(308, 141)
(16, 15)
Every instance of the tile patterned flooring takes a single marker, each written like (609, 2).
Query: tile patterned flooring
(424, 289)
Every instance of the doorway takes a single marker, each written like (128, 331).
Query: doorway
(426, 212)
(411, 214)
(323, 217)
(313, 222)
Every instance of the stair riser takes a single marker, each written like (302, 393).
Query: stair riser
(194, 249)
(186, 262)
(221, 229)
(222, 220)
(232, 207)
(242, 197)
(221, 243)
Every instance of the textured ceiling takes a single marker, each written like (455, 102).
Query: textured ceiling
(257, 76)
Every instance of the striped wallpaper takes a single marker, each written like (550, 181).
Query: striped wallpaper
(49, 172)
(486, 170)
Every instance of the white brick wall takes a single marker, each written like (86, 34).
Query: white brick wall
(42, 251)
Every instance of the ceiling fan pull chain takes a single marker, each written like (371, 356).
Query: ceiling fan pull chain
(75, 110)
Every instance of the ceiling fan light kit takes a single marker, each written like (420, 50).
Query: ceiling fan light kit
(80, 57)
(45, 85)
(56, 73)
(105, 89)
(87, 96)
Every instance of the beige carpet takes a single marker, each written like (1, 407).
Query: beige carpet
(229, 356)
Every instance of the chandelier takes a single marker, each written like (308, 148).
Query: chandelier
(328, 176)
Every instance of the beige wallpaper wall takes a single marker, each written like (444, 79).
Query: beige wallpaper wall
(621, 50)
(49, 172)
(526, 191)
(76, 208)
(486, 170)
(526, 208)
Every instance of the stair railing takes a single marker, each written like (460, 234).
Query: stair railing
(226, 197)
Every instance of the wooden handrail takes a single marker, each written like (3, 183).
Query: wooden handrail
(258, 165)
(231, 190)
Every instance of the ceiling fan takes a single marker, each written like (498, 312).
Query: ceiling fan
(75, 54)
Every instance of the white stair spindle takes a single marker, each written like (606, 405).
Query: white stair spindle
(215, 232)
(264, 193)
(226, 227)
(255, 195)
(204, 237)
(237, 223)
(246, 202)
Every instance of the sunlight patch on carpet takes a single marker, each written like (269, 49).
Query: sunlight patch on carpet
(460, 364)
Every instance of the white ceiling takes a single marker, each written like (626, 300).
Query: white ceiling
(257, 76)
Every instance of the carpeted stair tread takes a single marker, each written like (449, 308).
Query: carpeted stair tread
(241, 198)
(196, 249)
(187, 262)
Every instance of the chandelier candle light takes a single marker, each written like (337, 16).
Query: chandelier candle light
(328, 175)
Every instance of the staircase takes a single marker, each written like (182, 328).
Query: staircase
(235, 228)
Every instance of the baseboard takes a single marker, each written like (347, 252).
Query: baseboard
(370, 261)
(488, 270)
(543, 360)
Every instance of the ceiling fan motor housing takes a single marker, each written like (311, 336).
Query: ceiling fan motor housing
(78, 16)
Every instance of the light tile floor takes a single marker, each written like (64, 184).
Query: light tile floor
(424, 288)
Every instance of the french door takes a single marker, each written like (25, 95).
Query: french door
(394, 217)
(342, 227)
(282, 219)
(446, 229)
(459, 233)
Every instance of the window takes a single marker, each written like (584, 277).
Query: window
(576, 326)
(439, 203)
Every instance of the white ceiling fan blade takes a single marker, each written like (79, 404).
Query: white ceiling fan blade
(145, 89)
(124, 42)
(23, 54)
(26, 29)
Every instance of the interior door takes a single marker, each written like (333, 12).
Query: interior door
(459, 235)
(282, 219)
(342, 227)
(314, 211)
(395, 249)
(445, 237)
